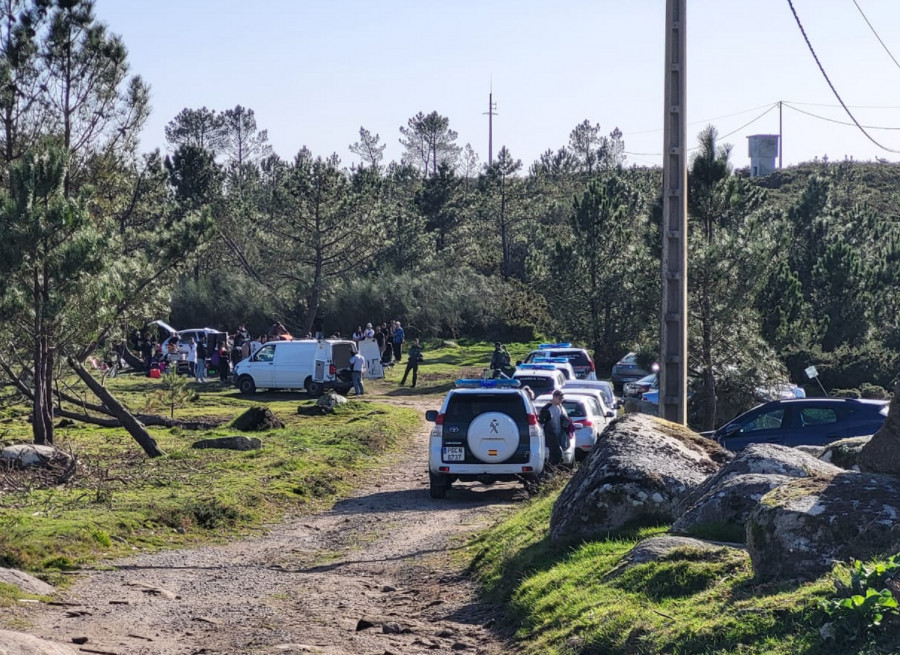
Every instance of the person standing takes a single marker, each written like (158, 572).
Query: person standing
(358, 334)
(398, 340)
(368, 333)
(201, 354)
(223, 363)
(556, 424)
(413, 358)
(500, 361)
(357, 368)
(191, 356)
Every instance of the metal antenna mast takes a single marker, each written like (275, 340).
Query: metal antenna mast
(491, 112)
(673, 313)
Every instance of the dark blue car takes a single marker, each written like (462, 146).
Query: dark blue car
(803, 422)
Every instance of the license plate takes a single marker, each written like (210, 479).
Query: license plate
(454, 453)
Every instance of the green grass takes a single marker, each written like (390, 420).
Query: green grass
(121, 502)
(561, 602)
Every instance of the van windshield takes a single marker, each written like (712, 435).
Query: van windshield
(264, 354)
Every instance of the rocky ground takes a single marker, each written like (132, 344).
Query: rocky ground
(374, 575)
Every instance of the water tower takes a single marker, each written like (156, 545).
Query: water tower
(763, 151)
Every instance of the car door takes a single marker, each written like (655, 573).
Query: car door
(261, 366)
(816, 425)
(763, 425)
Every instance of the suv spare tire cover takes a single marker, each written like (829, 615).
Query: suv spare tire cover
(493, 437)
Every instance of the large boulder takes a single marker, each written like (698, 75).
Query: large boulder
(882, 453)
(759, 459)
(844, 453)
(17, 643)
(723, 510)
(800, 529)
(639, 472)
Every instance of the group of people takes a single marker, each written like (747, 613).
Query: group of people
(390, 338)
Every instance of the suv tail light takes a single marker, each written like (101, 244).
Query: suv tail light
(593, 370)
(587, 423)
(532, 419)
(439, 420)
(332, 369)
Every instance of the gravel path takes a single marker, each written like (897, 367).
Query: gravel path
(374, 575)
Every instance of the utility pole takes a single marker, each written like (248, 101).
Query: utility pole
(491, 112)
(779, 135)
(673, 313)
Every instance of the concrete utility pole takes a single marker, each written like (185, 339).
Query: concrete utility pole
(673, 313)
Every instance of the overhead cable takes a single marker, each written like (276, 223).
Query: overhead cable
(834, 90)
(834, 120)
(861, 13)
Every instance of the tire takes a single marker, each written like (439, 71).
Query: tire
(437, 485)
(533, 486)
(306, 384)
(315, 388)
(246, 385)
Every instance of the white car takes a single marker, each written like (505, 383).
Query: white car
(214, 338)
(596, 417)
(603, 386)
(540, 378)
(560, 363)
(569, 453)
(485, 431)
(578, 357)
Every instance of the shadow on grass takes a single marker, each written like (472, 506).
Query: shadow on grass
(420, 390)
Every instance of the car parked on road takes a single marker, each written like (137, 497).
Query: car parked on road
(578, 357)
(627, 370)
(588, 412)
(541, 378)
(485, 431)
(803, 422)
(638, 387)
(603, 386)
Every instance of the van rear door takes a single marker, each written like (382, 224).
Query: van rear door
(368, 348)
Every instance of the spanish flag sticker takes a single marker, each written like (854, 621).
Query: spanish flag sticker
(492, 453)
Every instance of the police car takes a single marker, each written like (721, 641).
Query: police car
(578, 357)
(541, 378)
(485, 431)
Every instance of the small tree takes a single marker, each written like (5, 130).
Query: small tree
(174, 391)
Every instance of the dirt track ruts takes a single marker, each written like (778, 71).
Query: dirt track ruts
(379, 557)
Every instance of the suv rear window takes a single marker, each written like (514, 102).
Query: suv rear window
(574, 408)
(575, 358)
(465, 407)
(539, 385)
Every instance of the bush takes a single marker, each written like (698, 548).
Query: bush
(224, 300)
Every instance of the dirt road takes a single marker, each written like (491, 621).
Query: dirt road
(372, 576)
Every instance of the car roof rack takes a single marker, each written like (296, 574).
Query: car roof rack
(479, 383)
(547, 346)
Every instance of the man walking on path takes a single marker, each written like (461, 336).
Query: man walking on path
(412, 363)
(397, 340)
(357, 368)
(557, 426)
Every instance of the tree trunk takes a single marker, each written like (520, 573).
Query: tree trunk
(135, 429)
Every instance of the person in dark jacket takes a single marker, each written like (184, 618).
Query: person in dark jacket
(414, 357)
(397, 340)
(557, 427)
(500, 361)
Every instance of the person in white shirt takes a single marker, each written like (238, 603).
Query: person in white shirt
(357, 368)
(369, 333)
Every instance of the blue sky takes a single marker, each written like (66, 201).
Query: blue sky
(315, 71)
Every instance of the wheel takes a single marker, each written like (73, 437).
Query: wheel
(246, 385)
(438, 485)
(314, 388)
(306, 384)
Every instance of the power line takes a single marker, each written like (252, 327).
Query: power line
(829, 104)
(833, 90)
(705, 120)
(724, 136)
(861, 13)
(834, 120)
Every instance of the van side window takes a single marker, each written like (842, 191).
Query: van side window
(265, 354)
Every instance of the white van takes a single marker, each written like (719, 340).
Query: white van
(300, 364)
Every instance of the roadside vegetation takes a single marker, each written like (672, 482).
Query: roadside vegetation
(119, 501)
(564, 600)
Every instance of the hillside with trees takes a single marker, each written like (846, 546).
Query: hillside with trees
(795, 269)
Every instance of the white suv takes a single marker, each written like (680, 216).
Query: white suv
(486, 431)
(578, 357)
